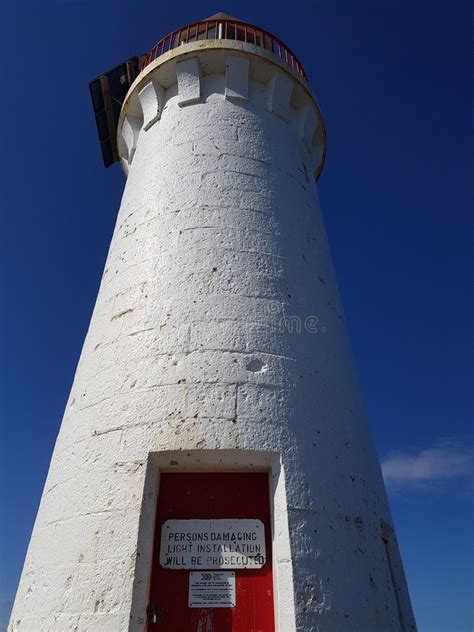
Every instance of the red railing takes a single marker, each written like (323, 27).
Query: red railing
(229, 30)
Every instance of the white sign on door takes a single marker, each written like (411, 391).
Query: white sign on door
(211, 589)
(209, 544)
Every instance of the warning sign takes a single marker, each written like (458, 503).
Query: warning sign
(211, 589)
(210, 544)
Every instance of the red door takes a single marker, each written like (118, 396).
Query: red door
(215, 496)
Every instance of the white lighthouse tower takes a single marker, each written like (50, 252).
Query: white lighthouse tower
(214, 471)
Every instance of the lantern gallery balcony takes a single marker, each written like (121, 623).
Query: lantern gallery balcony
(224, 27)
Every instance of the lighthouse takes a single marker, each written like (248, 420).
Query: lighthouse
(214, 470)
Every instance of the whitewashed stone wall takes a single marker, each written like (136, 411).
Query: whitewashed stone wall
(218, 326)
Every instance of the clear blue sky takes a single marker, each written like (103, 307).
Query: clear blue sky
(392, 78)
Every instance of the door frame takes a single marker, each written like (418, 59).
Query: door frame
(175, 461)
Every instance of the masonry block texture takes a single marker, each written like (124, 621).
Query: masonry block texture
(218, 326)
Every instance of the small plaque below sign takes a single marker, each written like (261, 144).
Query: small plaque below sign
(212, 589)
